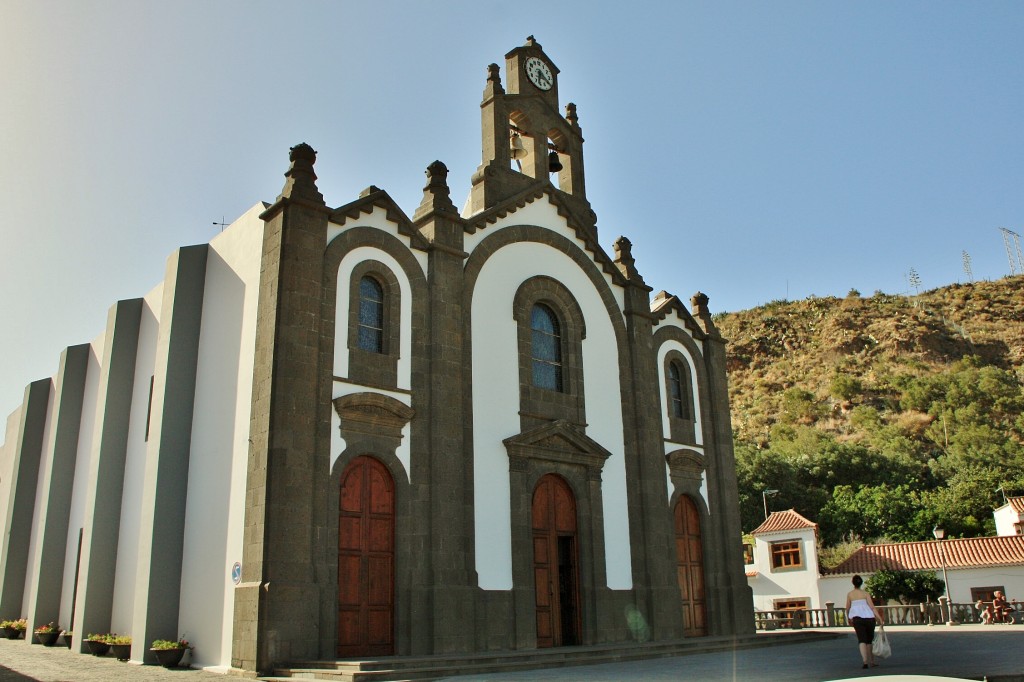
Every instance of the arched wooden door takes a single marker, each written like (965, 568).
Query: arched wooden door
(366, 560)
(690, 567)
(555, 564)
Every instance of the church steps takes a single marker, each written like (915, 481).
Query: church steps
(392, 669)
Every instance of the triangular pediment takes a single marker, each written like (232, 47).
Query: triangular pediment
(665, 304)
(543, 190)
(374, 198)
(558, 441)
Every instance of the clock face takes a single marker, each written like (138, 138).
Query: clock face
(539, 73)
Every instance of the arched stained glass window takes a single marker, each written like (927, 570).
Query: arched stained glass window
(546, 348)
(676, 393)
(371, 315)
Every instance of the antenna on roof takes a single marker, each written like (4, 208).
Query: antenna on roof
(1001, 490)
(221, 223)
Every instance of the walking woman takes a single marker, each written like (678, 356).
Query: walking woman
(861, 611)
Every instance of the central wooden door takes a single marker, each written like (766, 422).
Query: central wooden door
(690, 567)
(555, 569)
(366, 560)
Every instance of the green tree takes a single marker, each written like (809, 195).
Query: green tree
(914, 586)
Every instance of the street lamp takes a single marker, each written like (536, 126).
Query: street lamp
(940, 534)
(764, 498)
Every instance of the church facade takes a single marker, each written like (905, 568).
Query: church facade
(355, 431)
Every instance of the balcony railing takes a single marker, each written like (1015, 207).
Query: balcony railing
(930, 613)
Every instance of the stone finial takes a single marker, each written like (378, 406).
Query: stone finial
(493, 86)
(301, 179)
(436, 195)
(570, 115)
(368, 191)
(624, 259)
(699, 304)
(532, 42)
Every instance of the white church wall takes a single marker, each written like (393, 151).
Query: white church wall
(376, 219)
(7, 451)
(135, 465)
(42, 494)
(214, 514)
(341, 356)
(663, 351)
(496, 409)
(540, 213)
(86, 439)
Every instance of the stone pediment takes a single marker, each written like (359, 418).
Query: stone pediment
(374, 198)
(686, 464)
(373, 413)
(584, 226)
(558, 442)
(665, 303)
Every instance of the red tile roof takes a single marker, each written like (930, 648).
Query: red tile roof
(751, 574)
(783, 521)
(960, 553)
(1017, 503)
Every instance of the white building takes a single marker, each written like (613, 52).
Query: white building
(355, 431)
(783, 572)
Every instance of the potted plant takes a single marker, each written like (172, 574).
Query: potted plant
(67, 634)
(121, 645)
(98, 644)
(47, 634)
(169, 652)
(14, 628)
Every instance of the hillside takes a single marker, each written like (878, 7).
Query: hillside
(879, 392)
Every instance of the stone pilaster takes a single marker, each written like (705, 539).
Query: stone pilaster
(651, 533)
(277, 604)
(17, 529)
(102, 522)
(733, 606)
(55, 512)
(165, 483)
(447, 489)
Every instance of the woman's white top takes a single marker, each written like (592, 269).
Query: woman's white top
(859, 608)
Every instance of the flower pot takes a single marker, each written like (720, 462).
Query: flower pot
(67, 639)
(13, 633)
(122, 652)
(168, 658)
(48, 638)
(97, 648)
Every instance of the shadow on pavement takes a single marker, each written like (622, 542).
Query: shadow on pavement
(8, 675)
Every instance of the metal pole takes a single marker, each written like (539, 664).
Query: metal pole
(945, 579)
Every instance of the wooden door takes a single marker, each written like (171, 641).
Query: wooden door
(690, 568)
(366, 560)
(555, 563)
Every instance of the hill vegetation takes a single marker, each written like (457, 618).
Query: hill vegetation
(879, 417)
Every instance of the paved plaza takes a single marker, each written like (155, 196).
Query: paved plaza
(967, 651)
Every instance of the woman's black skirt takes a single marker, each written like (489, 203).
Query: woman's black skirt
(865, 629)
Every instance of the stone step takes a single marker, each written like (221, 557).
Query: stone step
(407, 668)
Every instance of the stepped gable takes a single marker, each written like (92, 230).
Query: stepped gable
(784, 521)
(542, 188)
(923, 555)
(374, 197)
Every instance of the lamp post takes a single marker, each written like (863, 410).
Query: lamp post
(940, 535)
(764, 498)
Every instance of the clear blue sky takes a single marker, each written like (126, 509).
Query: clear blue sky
(751, 150)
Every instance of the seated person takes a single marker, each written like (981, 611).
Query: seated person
(1001, 607)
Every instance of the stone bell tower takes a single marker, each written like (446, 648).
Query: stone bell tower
(526, 141)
